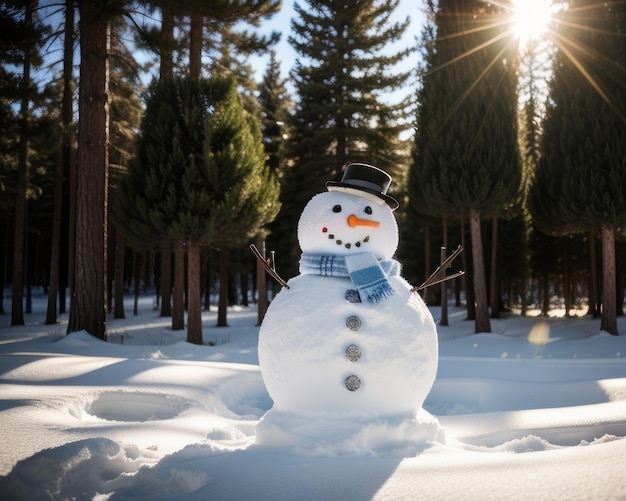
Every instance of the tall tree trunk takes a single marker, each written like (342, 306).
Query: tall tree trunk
(444, 285)
(88, 308)
(545, 295)
(167, 28)
(139, 259)
(19, 228)
(195, 45)
(194, 299)
(55, 246)
(4, 265)
(567, 293)
(468, 279)
(223, 300)
(178, 302)
(494, 290)
(244, 288)
(63, 158)
(166, 280)
(608, 322)
(207, 280)
(71, 219)
(594, 308)
(481, 323)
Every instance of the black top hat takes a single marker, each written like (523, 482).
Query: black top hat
(365, 178)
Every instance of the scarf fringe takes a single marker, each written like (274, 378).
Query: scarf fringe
(378, 293)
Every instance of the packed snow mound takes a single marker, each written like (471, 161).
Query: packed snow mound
(355, 436)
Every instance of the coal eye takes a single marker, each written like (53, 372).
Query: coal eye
(337, 208)
(368, 210)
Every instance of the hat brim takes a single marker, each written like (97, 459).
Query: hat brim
(362, 190)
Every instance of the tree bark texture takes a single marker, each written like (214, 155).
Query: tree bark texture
(494, 290)
(481, 322)
(223, 300)
(138, 261)
(443, 321)
(178, 302)
(88, 308)
(194, 299)
(195, 45)
(608, 321)
(594, 308)
(167, 28)
(166, 280)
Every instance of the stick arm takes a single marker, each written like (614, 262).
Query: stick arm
(268, 265)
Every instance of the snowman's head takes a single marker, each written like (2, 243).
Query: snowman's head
(341, 223)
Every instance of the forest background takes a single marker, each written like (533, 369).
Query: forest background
(139, 152)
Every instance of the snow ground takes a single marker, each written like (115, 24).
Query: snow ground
(535, 410)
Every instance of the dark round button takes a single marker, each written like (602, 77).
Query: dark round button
(353, 353)
(353, 323)
(352, 295)
(352, 383)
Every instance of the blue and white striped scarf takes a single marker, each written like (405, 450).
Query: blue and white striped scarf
(368, 274)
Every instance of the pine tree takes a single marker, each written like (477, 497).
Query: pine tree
(343, 79)
(275, 106)
(580, 183)
(199, 176)
(245, 193)
(465, 156)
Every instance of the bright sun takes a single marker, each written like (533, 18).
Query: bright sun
(531, 19)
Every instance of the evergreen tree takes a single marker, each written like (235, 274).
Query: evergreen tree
(215, 34)
(199, 176)
(245, 192)
(275, 106)
(580, 183)
(465, 156)
(344, 78)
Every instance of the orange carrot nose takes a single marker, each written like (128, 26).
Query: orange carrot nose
(356, 221)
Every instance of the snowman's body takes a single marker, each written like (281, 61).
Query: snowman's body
(326, 351)
(313, 339)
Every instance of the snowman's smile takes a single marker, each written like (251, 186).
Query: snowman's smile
(348, 245)
(353, 222)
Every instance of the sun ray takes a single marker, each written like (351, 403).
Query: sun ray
(567, 46)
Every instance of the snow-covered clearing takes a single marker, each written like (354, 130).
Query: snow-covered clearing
(535, 410)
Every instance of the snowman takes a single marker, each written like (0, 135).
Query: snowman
(348, 353)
